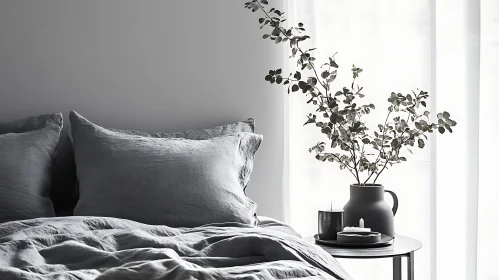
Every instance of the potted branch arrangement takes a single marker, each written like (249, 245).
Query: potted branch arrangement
(340, 116)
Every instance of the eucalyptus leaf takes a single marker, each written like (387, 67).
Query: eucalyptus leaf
(421, 143)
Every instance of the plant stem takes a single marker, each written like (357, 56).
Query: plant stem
(347, 166)
(381, 151)
(355, 164)
(370, 175)
(379, 173)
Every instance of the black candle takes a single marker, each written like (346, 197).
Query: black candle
(330, 223)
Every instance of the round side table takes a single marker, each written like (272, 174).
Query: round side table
(402, 246)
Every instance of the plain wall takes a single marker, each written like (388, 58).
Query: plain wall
(153, 65)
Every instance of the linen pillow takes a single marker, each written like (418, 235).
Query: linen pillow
(193, 134)
(65, 187)
(169, 181)
(27, 149)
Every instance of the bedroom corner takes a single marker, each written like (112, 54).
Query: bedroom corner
(252, 139)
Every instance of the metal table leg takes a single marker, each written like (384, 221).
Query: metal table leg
(397, 268)
(410, 266)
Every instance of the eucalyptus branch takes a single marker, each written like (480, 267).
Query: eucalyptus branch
(347, 166)
(339, 115)
(288, 37)
(382, 148)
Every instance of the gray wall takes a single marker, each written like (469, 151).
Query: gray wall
(148, 65)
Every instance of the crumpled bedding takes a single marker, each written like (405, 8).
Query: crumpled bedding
(109, 248)
(273, 224)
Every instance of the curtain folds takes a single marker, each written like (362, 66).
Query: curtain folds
(448, 192)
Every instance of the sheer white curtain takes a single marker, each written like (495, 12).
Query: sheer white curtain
(448, 192)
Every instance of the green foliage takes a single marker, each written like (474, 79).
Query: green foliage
(339, 114)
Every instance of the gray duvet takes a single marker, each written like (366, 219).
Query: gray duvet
(110, 248)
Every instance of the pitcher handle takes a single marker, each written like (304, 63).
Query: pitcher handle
(395, 202)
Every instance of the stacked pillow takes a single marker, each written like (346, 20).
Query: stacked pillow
(27, 149)
(170, 181)
(65, 191)
(179, 179)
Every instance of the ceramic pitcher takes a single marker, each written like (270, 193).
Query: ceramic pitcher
(368, 202)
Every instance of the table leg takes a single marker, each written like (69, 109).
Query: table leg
(397, 268)
(410, 266)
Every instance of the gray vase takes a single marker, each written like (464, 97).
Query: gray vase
(368, 202)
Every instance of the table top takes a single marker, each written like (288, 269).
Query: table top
(402, 245)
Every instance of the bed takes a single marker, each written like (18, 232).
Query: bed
(110, 248)
(148, 206)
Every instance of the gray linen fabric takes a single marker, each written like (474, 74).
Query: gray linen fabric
(169, 181)
(193, 134)
(99, 248)
(27, 150)
(65, 187)
(273, 224)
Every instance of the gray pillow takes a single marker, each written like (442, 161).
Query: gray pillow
(27, 149)
(169, 181)
(65, 187)
(199, 134)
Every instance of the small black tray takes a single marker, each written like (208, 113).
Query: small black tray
(385, 241)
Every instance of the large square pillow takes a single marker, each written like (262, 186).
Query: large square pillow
(27, 149)
(65, 187)
(169, 181)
